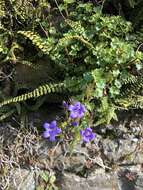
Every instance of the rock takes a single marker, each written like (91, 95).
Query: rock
(130, 178)
(99, 181)
(90, 161)
(126, 180)
(139, 182)
(70, 161)
(122, 151)
(22, 180)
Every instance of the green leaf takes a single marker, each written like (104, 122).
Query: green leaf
(52, 179)
(44, 176)
(88, 77)
(132, 3)
(117, 84)
(69, 1)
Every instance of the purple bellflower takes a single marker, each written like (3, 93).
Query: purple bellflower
(51, 130)
(77, 110)
(87, 135)
(65, 105)
(74, 123)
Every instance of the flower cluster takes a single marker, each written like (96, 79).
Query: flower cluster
(77, 111)
(87, 135)
(51, 130)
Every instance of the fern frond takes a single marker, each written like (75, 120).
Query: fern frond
(135, 101)
(69, 38)
(27, 9)
(23, 8)
(138, 102)
(76, 26)
(128, 79)
(40, 91)
(45, 45)
(71, 84)
(132, 86)
(6, 115)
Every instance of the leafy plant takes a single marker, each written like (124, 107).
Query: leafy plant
(130, 9)
(98, 49)
(92, 56)
(48, 181)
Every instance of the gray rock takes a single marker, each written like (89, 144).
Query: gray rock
(139, 182)
(22, 180)
(98, 181)
(130, 178)
(122, 150)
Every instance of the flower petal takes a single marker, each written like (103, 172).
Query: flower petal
(65, 104)
(77, 104)
(80, 115)
(58, 130)
(46, 134)
(73, 115)
(53, 124)
(71, 107)
(46, 125)
(85, 139)
(88, 129)
(81, 132)
(74, 123)
(92, 136)
(52, 138)
(83, 108)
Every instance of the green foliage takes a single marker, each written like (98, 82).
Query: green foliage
(46, 181)
(2, 8)
(130, 9)
(20, 22)
(93, 55)
(98, 48)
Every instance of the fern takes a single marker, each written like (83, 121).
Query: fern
(40, 91)
(6, 115)
(69, 38)
(132, 84)
(23, 8)
(45, 45)
(135, 102)
(72, 85)
(127, 78)
(27, 11)
(94, 55)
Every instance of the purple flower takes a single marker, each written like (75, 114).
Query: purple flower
(77, 110)
(65, 105)
(74, 123)
(87, 135)
(51, 130)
